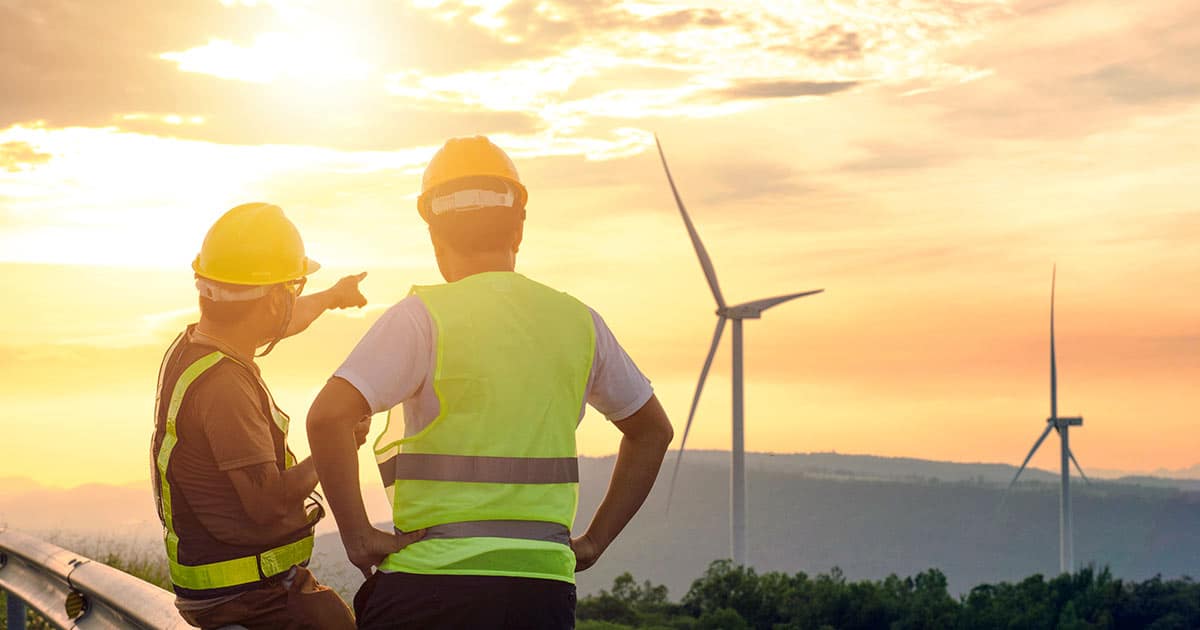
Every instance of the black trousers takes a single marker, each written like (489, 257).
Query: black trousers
(406, 600)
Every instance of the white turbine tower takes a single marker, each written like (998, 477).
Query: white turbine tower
(1066, 560)
(737, 313)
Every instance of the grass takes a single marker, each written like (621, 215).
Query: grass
(33, 621)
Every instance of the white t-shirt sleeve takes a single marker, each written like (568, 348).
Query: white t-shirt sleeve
(618, 388)
(391, 361)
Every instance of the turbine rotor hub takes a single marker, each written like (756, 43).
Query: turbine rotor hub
(741, 311)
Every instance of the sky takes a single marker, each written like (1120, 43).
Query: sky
(927, 163)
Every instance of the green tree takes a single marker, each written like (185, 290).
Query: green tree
(723, 619)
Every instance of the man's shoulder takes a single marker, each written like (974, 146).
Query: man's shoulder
(227, 380)
(410, 310)
(411, 302)
(565, 295)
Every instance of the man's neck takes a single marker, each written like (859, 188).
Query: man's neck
(237, 337)
(464, 266)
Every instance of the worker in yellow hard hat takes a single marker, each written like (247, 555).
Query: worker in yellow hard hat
(493, 371)
(233, 500)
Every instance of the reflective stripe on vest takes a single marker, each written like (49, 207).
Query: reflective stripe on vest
(521, 530)
(227, 573)
(494, 478)
(479, 469)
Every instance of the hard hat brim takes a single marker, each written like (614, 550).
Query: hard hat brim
(310, 267)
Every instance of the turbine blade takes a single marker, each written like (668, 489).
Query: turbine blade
(705, 262)
(1078, 467)
(712, 351)
(1030, 455)
(761, 305)
(1053, 361)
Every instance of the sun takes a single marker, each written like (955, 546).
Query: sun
(306, 50)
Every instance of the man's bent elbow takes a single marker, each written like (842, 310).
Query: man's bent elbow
(338, 406)
(649, 426)
(665, 434)
(658, 435)
(317, 419)
(323, 418)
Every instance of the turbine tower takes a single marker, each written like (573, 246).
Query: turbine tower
(737, 313)
(1066, 560)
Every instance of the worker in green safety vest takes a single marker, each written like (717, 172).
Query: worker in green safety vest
(493, 372)
(231, 496)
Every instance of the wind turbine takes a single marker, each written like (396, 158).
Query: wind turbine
(736, 313)
(1066, 560)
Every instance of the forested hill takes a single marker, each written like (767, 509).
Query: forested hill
(870, 516)
(863, 467)
(874, 516)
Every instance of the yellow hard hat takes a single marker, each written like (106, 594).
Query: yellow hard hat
(462, 158)
(253, 244)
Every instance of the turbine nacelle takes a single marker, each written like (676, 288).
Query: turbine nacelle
(1065, 422)
(754, 310)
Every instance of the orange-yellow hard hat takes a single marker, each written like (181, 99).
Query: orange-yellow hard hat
(253, 244)
(462, 158)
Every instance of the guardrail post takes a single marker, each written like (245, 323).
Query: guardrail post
(16, 613)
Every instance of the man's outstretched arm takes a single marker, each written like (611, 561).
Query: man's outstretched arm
(331, 426)
(647, 434)
(343, 294)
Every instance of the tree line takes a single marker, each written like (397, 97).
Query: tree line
(729, 597)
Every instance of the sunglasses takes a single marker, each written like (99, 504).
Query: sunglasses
(295, 287)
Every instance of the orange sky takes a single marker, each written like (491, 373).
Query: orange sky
(926, 166)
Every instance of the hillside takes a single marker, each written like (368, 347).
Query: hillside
(868, 515)
(876, 516)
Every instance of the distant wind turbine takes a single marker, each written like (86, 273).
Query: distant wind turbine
(737, 313)
(1066, 560)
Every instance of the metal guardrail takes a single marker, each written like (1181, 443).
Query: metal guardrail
(73, 591)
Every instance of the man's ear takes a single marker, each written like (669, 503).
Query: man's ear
(520, 234)
(434, 240)
(277, 298)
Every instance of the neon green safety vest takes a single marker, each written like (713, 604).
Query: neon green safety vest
(207, 580)
(494, 477)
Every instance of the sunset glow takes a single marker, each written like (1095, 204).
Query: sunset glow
(925, 163)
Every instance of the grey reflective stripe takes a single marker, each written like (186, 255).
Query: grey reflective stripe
(524, 530)
(468, 468)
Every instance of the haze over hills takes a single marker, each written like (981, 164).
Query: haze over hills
(1183, 473)
(872, 516)
(868, 515)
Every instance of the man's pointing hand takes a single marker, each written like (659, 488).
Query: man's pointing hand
(345, 293)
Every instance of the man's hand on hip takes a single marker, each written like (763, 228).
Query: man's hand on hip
(369, 549)
(587, 552)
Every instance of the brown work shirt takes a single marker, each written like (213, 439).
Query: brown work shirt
(224, 423)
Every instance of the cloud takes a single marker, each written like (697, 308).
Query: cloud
(101, 65)
(17, 156)
(784, 89)
(1131, 84)
(891, 156)
(833, 43)
(1158, 229)
(81, 63)
(1073, 68)
(752, 180)
(376, 75)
